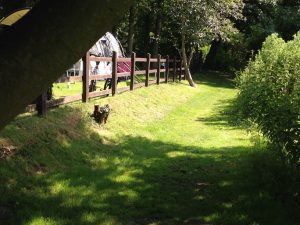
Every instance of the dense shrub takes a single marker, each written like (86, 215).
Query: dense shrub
(270, 93)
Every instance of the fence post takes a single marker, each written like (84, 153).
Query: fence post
(114, 73)
(167, 68)
(85, 77)
(175, 68)
(158, 69)
(148, 69)
(132, 72)
(41, 104)
(180, 70)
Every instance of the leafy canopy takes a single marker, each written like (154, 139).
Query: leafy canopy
(200, 21)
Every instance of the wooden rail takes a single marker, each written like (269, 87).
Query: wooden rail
(166, 67)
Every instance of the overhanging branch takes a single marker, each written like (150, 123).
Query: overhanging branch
(41, 46)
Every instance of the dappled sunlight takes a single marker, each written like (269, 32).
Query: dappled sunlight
(175, 154)
(40, 220)
(225, 183)
(166, 183)
(170, 171)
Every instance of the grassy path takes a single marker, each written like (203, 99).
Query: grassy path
(162, 159)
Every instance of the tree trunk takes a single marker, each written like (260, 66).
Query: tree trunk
(43, 44)
(157, 28)
(130, 39)
(191, 55)
(148, 29)
(211, 61)
(196, 62)
(185, 62)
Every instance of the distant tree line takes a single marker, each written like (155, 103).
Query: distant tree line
(178, 27)
(151, 25)
(211, 34)
(261, 19)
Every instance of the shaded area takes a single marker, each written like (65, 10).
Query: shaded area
(226, 114)
(142, 181)
(216, 79)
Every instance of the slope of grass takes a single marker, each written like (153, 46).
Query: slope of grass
(169, 154)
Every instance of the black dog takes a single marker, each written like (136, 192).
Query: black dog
(101, 114)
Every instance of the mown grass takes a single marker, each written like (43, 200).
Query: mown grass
(62, 89)
(169, 154)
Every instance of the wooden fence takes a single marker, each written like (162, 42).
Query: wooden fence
(172, 70)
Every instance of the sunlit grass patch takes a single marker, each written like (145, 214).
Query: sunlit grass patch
(168, 155)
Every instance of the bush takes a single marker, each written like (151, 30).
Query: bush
(270, 93)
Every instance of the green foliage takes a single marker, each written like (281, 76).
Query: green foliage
(205, 50)
(262, 18)
(269, 93)
(230, 55)
(202, 21)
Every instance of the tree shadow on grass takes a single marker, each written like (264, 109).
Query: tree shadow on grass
(215, 79)
(67, 174)
(225, 115)
(142, 181)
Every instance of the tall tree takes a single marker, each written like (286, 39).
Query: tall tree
(198, 22)
(158, 9)
(131, 30)
(131, 26)
(44, 43)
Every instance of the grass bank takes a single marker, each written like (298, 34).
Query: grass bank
(169, 154)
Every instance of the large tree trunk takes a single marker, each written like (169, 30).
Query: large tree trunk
(41, 46)
(185, 62)
(130, 39)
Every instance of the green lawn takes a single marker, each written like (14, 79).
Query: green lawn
(169, 154)
(62, 90)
